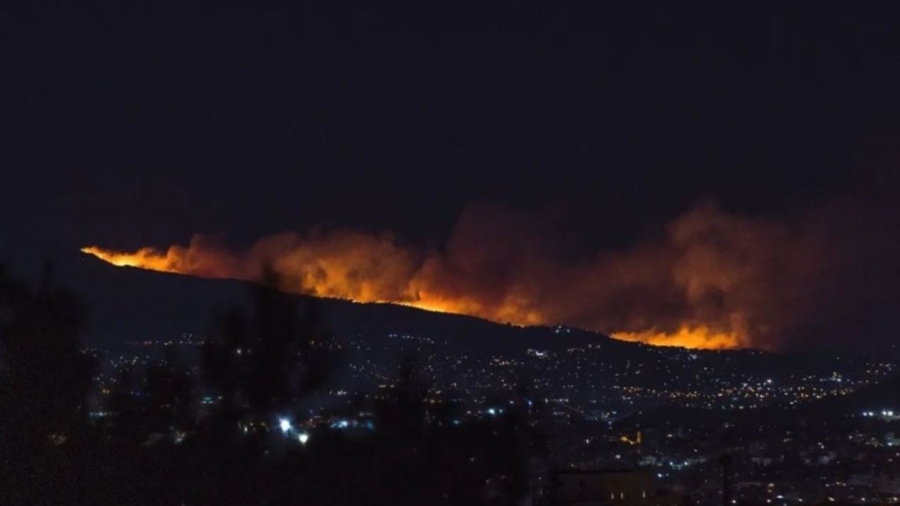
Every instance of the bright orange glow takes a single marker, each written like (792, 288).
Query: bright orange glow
(334, 276)
(145, 258)
(706, 282)
(706, 279)
(699, 336)
(339, 276)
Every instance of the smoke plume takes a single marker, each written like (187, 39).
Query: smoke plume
(710, 279)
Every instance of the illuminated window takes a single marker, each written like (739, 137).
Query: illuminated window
(644, 492)
(612, 496)
(621, 495)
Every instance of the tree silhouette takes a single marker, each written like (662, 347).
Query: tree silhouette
(45, 380)
(160, 446)
(262, 364)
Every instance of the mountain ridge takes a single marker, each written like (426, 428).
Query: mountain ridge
(131, 304)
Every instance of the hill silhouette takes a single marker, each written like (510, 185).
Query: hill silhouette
(129, 304)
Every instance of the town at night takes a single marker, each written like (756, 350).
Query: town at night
(531, 253)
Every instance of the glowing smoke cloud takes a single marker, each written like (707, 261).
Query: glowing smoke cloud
(711, 280)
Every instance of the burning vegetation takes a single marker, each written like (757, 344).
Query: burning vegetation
(711, 279)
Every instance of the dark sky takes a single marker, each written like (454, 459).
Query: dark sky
(127, 124)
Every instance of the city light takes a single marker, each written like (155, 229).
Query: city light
(303, 438)
(285, 425)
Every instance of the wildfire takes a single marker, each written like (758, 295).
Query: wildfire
(687, 336)
(145, 258)
(707, 279)
(389, 277)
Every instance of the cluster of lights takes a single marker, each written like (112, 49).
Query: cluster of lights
(886, 412)
(287, 427)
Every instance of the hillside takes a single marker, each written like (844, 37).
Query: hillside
(128, 304)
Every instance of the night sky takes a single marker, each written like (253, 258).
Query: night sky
(141, 124)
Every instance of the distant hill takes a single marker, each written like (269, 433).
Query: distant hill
(128, 304)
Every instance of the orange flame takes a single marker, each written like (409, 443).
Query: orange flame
(145, 258)
(335, 276)
(708, 279)
(381, 272)
(699, 336)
